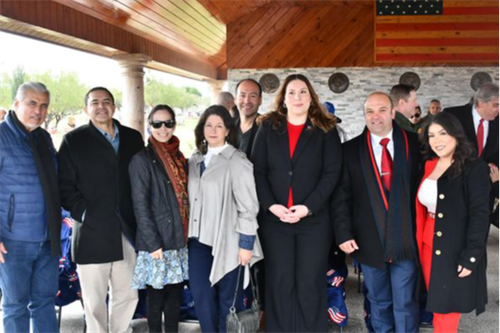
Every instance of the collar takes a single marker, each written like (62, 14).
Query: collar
(376, 138)
(226, 153)
(17, 127)
(475, 115)
(217, 150)
(117, 131)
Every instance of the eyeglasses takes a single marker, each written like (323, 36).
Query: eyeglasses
(168, 124)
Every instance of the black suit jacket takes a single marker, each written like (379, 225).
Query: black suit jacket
(464, 115)
(352, 213)
(95, 180)
(312, 173)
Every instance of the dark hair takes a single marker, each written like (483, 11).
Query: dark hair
(251, 80)
(464, 152)
(160, 107)
(435, 101)
(401, 91)
(223, 113)
(320, 118)
(98, 89)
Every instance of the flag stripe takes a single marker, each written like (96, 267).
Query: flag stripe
(437, 19)
(435, 26)
(438, 42)
(437, 57)
(468, 3)
(470, 10)
(443, 35)
(437, 49)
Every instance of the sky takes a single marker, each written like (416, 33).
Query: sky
(39, 56)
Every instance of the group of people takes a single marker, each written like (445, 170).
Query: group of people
(278, 187)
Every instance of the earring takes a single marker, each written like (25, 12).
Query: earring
(284, 106)
(204, 142)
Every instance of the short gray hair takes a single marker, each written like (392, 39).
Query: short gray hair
(486, 93)
(37, 87)
(225, 98)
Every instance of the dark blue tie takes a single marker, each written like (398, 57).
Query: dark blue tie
(202, 168)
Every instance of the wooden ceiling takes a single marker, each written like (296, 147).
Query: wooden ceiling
(210, 36)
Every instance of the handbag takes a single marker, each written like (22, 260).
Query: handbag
(246, 321)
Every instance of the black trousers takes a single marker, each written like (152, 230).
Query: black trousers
(168, 302)
(296, 259)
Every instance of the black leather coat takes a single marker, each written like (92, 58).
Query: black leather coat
(159, 223)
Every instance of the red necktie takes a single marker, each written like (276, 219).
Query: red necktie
(480, 138)
(386, 164)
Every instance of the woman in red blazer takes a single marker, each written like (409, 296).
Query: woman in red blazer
(452, 223)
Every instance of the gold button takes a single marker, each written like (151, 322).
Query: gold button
(472, 259)
(441, 196)
(440, 215)
(438, 252)
(439, 233)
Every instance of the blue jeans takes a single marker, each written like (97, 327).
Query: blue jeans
(29, 282)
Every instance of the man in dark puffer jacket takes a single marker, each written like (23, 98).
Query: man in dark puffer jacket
(30, 215)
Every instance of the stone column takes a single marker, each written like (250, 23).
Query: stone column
(216, 86)
(132, 66)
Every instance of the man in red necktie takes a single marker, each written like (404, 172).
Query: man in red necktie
(372, 212)
(480, 119)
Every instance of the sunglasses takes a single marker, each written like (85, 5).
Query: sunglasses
(168, 124)
(415, 116)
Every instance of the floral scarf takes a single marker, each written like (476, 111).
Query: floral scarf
(176, 166)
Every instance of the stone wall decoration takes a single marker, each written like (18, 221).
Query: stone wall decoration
(478, 79)
(338, 83)
(411, 79)
(270, 83)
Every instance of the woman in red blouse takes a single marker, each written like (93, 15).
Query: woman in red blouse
(297, 160)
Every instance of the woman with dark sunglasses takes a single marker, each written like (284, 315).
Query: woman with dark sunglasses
(158, 177)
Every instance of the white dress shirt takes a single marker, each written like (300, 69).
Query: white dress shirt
(486, 125)
(211, 152)
(378, 148)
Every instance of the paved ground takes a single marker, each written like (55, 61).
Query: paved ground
(488, 322)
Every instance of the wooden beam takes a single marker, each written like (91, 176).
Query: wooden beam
(55, 17)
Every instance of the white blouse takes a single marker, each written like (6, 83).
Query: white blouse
(427, 195)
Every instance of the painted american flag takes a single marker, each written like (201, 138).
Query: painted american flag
(436, 31)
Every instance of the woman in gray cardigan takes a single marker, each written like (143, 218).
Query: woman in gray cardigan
(223, 219)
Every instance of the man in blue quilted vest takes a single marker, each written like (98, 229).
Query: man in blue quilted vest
(30, 215)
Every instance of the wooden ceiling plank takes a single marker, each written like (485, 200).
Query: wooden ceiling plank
(199, 12)
(117, 18)
(212, 7)
(156, 20)
(257, 36)
(269, 43)
(309, 35)
(190, 17)
(255, 27)
(296, 31)
(337, 41)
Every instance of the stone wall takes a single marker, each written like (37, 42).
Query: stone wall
(451, 85)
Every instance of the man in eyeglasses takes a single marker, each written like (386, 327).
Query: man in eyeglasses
(95, 188)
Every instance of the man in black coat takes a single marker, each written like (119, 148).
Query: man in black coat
(95, 188)
(484, 112)
(374, 207)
